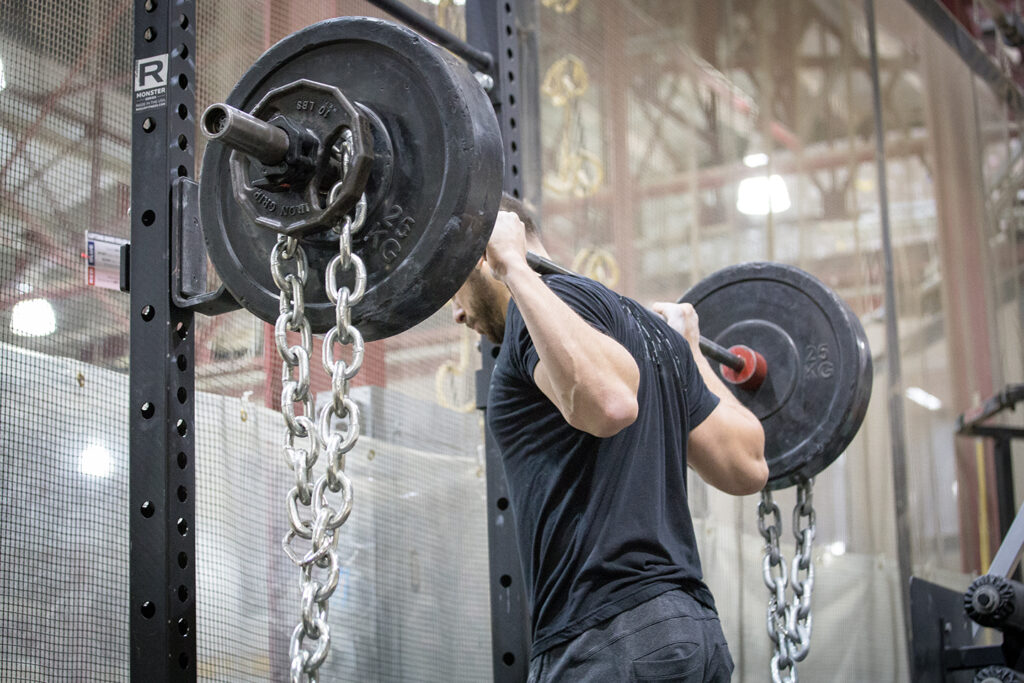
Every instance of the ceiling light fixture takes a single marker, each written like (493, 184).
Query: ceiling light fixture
(33, 318)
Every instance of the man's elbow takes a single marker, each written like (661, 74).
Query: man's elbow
(753, 479)
(749, 470)
(752, 473)
(619, 415)
(755, 471)
(744, 481)
(615, 413)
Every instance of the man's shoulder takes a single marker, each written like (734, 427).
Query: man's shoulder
(577, 287)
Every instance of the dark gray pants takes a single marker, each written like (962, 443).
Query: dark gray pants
(671, 637)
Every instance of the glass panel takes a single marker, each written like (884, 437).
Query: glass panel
(413, 600)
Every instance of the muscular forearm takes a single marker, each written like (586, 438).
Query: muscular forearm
(745, 470)
(727, 448)
(590, 377)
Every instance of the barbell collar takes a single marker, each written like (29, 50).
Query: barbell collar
(247, 134)
(752, 374)
(717, 352)
(709, 348)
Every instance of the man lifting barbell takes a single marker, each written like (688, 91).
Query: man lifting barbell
(598, 406)
(373, 206)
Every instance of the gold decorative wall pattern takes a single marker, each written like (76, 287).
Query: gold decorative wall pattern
(598, 264)
(449, 16)
(561, 6)
(577, 172)
(450, 377)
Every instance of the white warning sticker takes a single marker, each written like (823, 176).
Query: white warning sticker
(150, 82)
(103, 260)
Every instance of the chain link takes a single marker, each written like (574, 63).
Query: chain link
(317, 505)
(789, 622)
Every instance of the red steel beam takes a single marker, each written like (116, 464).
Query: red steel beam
(64, 88)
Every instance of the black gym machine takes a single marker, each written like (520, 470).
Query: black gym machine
(946, 623)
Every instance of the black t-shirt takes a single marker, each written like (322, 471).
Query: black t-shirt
(602, 524)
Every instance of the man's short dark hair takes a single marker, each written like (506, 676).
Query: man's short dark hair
(521, 209)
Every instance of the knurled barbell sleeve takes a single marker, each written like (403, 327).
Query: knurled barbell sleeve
(247, 134)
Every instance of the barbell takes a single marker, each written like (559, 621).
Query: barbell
(791, 351)
(359, 114)
(742, 365)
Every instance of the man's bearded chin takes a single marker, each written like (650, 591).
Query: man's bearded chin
(494, 325)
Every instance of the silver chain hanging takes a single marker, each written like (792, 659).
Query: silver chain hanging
(789, 622)
(312, 515)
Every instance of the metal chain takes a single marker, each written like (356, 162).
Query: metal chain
(789, 622)
(776, 580)
(801, 575)
(312, 515)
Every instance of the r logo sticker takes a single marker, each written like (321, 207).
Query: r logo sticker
(151, 82)
(151, 73)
